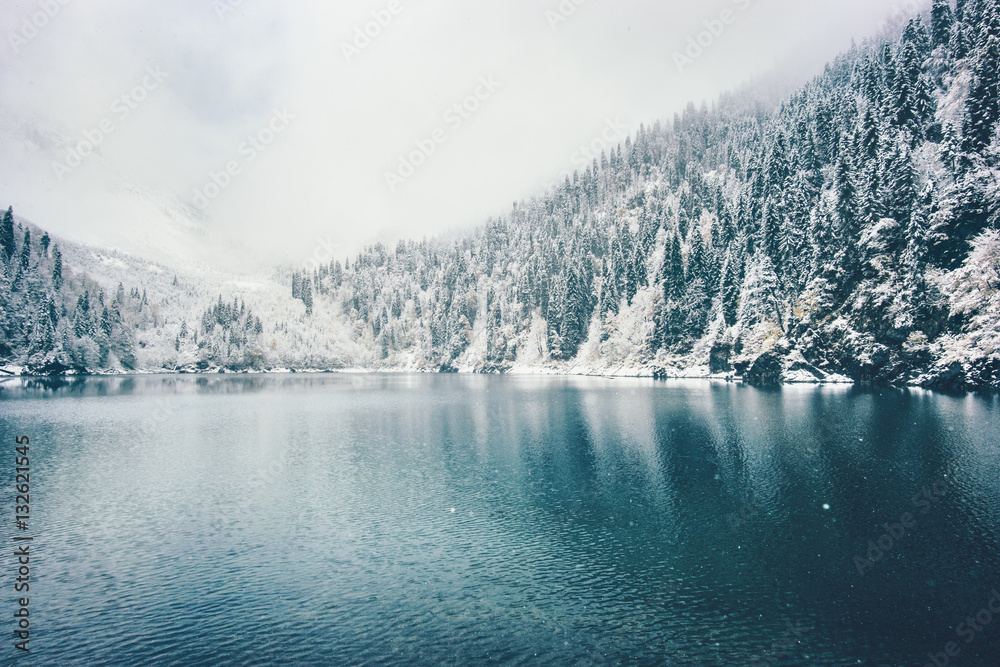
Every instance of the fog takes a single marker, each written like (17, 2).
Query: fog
(237, 132)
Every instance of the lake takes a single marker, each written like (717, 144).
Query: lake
(451, 519)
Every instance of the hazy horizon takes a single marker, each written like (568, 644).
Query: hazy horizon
(311, 115)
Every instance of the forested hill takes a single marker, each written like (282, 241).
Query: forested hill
(851, 231)
(66, 308)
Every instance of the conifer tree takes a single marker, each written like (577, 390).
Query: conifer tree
(983, 104)
(941, 23)
(26, 251)
(673, 277)
(57, 277)
(730, 289)
(7, 234)
(307, 295)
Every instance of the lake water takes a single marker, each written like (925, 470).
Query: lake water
(424, 520)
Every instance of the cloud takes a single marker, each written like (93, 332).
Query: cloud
(354, 116)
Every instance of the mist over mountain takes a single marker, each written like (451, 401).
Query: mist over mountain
(848, 232)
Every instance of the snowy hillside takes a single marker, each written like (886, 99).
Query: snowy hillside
(71, 307)
(850, 232)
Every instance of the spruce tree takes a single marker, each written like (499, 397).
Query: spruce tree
(574, 316)
(106, 322)
(610, 294)
(57, 268)
(307, 295)
(670, 316)
(26, 251)
(43, 335)
(730, 289)
(846, 195)
(81, 316)
(960, 9)
(697, 259)
(941, 23)
(899, 191)
(674, 269)
(983, 105)
(7, 234)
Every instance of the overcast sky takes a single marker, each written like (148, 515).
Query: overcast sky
(184, 84)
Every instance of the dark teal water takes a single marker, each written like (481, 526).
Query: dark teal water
(424, 520)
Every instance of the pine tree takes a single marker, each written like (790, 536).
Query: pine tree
(916, 35)
(82, 325)
(573, 325)
(57, 268)
(914, 105)
(847, 209)
(53, 313)
(697, 259)
(610, 295)
(983, 104)
(307, 295)
(981, 20)
(900, 191)
(730, 289)
(43, 336)
(673, 269)
(670, 317)
(960, 9)
(941, 23)
(26, 251)
(7, 234)
(106, 323)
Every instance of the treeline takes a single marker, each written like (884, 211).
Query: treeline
(851, 229)
(54, 320)
(228, 336)
(833, 227)
(51, 320)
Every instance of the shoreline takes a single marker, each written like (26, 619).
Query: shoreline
(14, 373)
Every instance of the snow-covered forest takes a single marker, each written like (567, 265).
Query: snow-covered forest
(850, 232)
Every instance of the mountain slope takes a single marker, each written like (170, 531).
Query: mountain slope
(834, 231)
(71, 308)
(850, 231)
